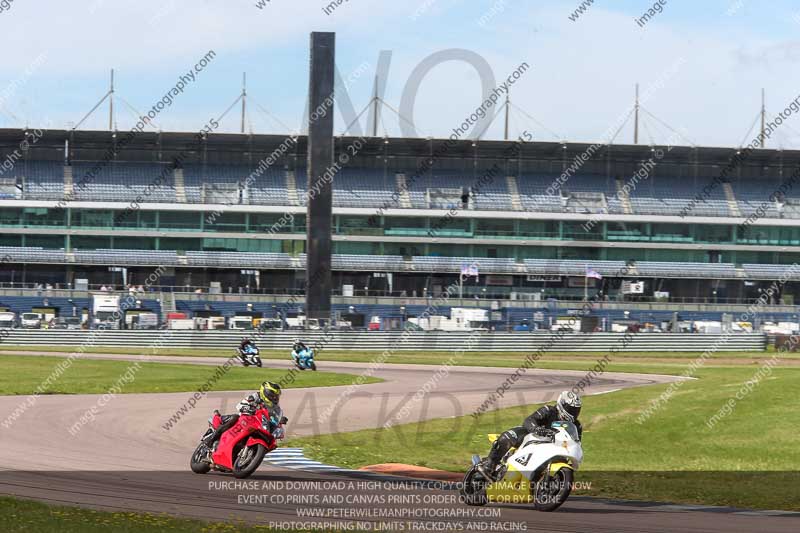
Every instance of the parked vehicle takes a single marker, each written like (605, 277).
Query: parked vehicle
(241, 322)
(181, 323)
(105, 311)
(141, 320)
(31, 320)
(67, 322)
(8, 320)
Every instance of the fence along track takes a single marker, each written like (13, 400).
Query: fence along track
(414, 341)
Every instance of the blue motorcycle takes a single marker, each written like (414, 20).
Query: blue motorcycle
(249, 356)
(304, 360)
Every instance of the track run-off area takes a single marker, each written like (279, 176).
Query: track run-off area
(134, 456)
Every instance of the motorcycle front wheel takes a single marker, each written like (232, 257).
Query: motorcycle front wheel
(196, 463)
(314, 366)
(248, 460)
(473, 488)
(548, 496)
(259, 364)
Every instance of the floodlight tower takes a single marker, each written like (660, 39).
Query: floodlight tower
(319, 209)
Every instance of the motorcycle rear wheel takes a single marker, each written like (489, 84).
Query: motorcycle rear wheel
(473, 488)
(254, 456)
(553, 500)
(196, 463)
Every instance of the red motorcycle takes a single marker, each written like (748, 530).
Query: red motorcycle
(241, 449)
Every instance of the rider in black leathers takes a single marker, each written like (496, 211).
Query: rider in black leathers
(566, 409)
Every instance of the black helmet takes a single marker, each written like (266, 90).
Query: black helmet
(569, 406)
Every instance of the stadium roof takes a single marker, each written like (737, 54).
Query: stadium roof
(232, 147)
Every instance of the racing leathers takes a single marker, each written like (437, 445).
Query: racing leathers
(537, 423)
(248, 405)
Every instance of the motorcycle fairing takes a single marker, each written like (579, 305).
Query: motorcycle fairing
(515, 487)
(244, 427)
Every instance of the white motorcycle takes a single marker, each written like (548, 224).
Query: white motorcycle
(540, 471)
(250, 356)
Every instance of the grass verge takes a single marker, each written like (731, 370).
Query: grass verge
(22, 375)
(23, 516)
(749, 458)
(501, 359)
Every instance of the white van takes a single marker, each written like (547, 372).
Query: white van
(31, 320)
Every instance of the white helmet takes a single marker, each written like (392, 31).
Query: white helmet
(569, 406)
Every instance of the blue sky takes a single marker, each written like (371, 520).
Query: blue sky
(702, 64)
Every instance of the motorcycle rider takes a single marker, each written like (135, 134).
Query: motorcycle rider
(246, 345)
(299, 346)
(566, 409)
(268, 395)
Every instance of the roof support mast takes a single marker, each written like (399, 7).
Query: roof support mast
(375, 103)
(763, 117)
(244, 98)
(636, 117)
(111, 103)
(508, 105)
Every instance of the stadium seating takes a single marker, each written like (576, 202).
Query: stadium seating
(123, 181)
(372, 188)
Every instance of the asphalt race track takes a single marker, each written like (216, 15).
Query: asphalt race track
(126, 460)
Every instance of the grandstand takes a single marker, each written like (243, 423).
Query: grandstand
(210, 217)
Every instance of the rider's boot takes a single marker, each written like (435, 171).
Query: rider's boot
(486, 468)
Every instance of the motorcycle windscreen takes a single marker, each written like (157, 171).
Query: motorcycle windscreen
(569, 427)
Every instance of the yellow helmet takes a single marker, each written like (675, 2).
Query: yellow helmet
(270, 393)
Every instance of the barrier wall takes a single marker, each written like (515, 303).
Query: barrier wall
(383, 340)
